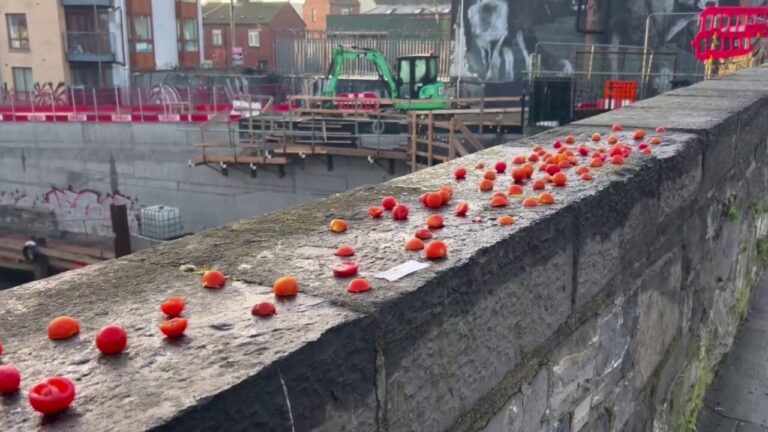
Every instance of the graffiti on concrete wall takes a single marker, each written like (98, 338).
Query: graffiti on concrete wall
(84, 211)
(494, 39)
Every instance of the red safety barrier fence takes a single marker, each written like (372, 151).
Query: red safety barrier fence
(159, 104)
(728, 32)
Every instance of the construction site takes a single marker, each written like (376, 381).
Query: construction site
(342, 110)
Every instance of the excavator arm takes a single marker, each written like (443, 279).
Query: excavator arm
(341, 54)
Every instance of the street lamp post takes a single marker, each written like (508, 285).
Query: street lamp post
(232, 31)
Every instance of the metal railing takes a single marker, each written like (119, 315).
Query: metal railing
(48, 103)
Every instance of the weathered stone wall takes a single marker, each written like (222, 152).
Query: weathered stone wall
(607, 311)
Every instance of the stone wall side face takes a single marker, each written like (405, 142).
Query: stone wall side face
(607, 311)
(644, 361)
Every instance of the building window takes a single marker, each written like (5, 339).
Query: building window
(314, 15)
(254, 38)
(191, 42)
(216, 38)
(18, 36)
(22, 82)
(142, 34)
(346, 11)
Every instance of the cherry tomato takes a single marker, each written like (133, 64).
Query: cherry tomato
(460, 173)
(111, 340)
(53, 395)
(214, 279)
(286, 286)
(173, 307)
(345, 251)
(501, 167)
(462, 208)
(375, 212)
(436, 250)
(400, 212)
(345, 269)
(389, 202)
(174, 328)
(357, 286)
(435, 222)
(423, 234)
(63, 327)
(10, 378)
(264, 309)
(434, 200)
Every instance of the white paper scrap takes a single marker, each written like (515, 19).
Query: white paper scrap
(402, 270)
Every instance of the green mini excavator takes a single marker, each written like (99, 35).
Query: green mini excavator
(415, 88)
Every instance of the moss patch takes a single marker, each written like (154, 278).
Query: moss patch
(762, 252)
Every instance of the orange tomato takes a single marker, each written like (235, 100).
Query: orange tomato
(286, 286)
(414, 244)
(63, 327)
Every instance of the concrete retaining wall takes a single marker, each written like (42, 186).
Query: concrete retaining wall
(607, 311)
(148, 165)
(35, 222)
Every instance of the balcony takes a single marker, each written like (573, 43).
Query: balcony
(97, 3)
(91, 46)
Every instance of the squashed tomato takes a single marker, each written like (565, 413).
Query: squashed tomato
(213, 279)
(173, 307)
(462, 208)
(53, 395)
(345, 251)
(264, 309)
(10, 378)
(174, 328)
(357, 286)
(345, 269)
(63, 327)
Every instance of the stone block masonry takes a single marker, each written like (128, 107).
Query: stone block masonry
(607, 311)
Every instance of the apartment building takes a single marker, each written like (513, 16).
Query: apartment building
(256, 27)
(95, 42)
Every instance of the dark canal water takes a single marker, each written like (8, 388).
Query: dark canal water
(12, 278)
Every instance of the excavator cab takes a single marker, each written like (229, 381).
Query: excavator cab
(417, 77)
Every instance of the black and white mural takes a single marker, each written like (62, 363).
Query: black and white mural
(494, 39)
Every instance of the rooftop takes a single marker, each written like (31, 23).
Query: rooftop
(246, 13)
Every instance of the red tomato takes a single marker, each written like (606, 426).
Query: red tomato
(423, 234)
(552, 169)
(501, 167)
(345, 251)
(375, 212)
(518, 174)
(111, 340)
(435, 222)
(557, 144)
(10, 378)
(52, 395)
(462, 208)
(434, 200)
(264, 309)
(174, 328)
(436, 250)
(345, 269)
(173, 307)
(460, 173)
(400, 212)
(616, 128)
(214, 279)
(389, 203)
(357, 286)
